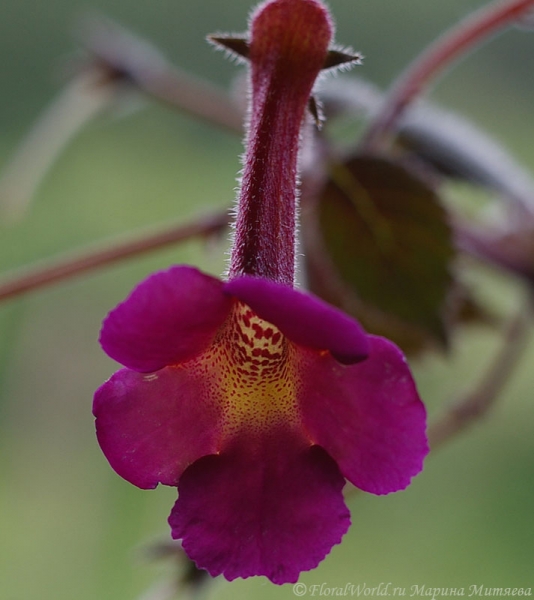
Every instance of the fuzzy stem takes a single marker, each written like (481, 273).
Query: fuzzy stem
(288, 46)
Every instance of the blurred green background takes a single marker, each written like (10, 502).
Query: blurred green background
(70, 529)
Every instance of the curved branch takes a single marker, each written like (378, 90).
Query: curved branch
(136, 61)
(40, 276)
(448, 47)
(477, 403)
(79, 102)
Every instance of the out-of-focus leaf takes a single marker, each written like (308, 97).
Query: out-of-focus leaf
(324, 282)
(450, 143)
(463, 308)
(387, 235)
(413, 340)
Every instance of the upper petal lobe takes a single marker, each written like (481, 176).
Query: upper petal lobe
(303, 318)
(368, 417)
(169, 318)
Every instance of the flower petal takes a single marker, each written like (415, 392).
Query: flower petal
(168, 318)
(151, 427)
(303, 318)
(368, 417)
(273, 507)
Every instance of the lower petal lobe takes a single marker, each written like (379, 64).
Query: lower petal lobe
(269, 505)
(368, 416)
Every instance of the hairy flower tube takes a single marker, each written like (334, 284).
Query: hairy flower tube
(256, 400)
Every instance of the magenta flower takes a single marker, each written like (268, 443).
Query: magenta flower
(257, 400)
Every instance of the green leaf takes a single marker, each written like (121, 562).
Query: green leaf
(388, 237)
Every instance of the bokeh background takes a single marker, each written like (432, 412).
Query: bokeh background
(70, 529)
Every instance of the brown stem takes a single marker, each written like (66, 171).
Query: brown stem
(42, 275)
(510, 249)
(118, 58)
(477, 403)
(139, 63)
(444, 50)
(193, 96)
